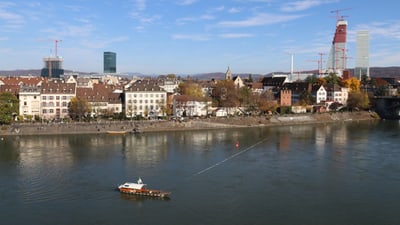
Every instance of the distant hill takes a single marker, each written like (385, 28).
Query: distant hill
(392, 72)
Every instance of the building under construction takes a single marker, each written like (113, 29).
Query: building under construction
(338, 54)
(53, 65)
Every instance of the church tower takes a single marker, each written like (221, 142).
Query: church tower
(228, 74)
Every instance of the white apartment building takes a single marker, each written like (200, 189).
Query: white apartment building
(169, 85)
(338, 94)
(29, 101)
(321, 95)
(145, 98)
(190, 106)
(55, 97)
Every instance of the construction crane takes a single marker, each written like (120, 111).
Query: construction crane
(336, 11)
(319, 65)
(56, 46)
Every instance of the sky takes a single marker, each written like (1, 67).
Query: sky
(180, 37)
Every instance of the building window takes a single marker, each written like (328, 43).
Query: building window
(43, 97)
(44, 111)
(64, 97)
(51, 111)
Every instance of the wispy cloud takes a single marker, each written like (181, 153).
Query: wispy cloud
(183, 21)
(138, 13)
(11, 20)
(390, 29)
(68, 30)
(139, 5)
(103, 43)
(303, 5)
(194, 37)
(234, 10)
(236, 35)
(186, 2)
(259, 20)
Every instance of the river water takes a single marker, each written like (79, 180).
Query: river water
(345, 173)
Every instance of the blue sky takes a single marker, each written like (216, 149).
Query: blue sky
(192, 36)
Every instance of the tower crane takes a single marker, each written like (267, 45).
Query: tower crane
(336, 11)
(56, 46)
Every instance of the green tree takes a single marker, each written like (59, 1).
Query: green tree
(79, 108)
(9, 107)
(332, 78)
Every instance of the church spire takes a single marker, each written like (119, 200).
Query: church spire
(228, 74)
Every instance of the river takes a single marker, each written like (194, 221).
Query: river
(344, 173)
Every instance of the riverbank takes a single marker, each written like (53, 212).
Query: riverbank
(121, 127)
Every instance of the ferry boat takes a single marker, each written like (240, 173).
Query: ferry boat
(139, 188)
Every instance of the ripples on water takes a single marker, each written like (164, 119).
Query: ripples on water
(323, 174)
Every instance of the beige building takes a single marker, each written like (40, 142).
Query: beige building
(145, 98)
(29, 101)
(55, 97)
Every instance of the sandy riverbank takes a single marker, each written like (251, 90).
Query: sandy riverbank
(190, 124)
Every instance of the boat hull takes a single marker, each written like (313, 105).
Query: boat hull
(145, 192)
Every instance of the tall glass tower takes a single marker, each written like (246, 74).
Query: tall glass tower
(110, 62)
(362, 58)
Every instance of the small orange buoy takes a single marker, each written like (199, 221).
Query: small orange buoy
(237, 144)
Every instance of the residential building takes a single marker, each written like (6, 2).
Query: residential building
(238, 82)
(320, 94)
(102, 99)
(29, 101)
(145, 98)
(338, 94)
(191, 106)
(170, 85)
(55, 96)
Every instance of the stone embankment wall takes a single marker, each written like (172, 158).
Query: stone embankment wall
(189, 124)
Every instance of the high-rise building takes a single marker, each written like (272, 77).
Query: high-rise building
(52, 67)
(338, 54)
(362, 58)
(110, 62)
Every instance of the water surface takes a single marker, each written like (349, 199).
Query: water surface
(345, 173)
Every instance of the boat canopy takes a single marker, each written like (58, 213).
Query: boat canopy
(133, 185)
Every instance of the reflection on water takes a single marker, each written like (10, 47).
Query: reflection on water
(345, 173)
